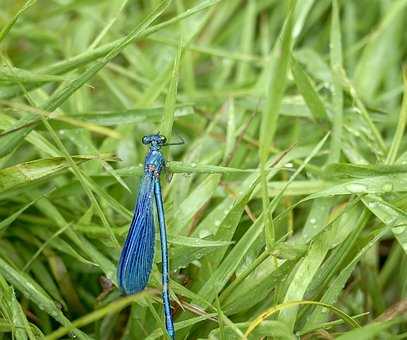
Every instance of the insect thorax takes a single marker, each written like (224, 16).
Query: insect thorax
(154, 162)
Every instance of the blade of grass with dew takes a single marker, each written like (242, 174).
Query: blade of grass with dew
(276, 72)
(390, 215)
(222, 221)
(348, 319)
(212, 51)
(33, 291)
(301, 14)
(113, 307)
(23, 328)
(156, 334)
(56, 100)
(335, 234)
(262, 277)
(337, 92)
(92, 55)
(317, 218)
(13, 316)
(366, 185)
(394, 148)
(243, 69)
(167, 119)
(17, 75)
(111, 22)
(226, 226)
(342, 243)
(64, 281)
(56, 243)
(81, 242)
(267, 328)
(11, 218)
(193, 242)
(376, 136)
(83, 179)
(344, 171)
(42, 274)
(368, 73)
(6, 29)
(19, 176)
(196, 200)
(43, 246)
(62, 121)
(265, 275)
(330, 296)
(132, 116)
(220, 64)
(34, 138)
(370, 331)
(308, 91)
(222, 273)
(230, 131)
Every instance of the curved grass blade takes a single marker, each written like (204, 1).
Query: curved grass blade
(29, 173)
(6, 29)
(348, 319)
(113, 307)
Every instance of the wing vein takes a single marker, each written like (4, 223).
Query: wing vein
(137, 255)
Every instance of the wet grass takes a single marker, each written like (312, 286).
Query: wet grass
(286, 210)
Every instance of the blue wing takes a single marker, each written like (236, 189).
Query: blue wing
(138, 251)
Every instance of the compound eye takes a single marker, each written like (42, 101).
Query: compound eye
(146, 140)
(163, 139)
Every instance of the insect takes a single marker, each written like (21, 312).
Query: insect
(137, 255)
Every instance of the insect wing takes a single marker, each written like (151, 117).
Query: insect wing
(138, 251)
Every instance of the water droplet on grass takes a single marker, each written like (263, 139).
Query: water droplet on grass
(398, 230)
(204, 233)
(387, 187)
(372, 205)
(356, 187)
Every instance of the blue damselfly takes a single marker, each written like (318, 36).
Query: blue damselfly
(137, 254)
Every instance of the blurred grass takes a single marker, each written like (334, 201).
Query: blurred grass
(286, 210)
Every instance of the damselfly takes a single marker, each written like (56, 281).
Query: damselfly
(137, 254)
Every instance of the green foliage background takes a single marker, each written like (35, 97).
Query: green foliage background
(286, 209)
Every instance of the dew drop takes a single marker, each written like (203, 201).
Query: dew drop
(387, 187)
(398, 230)
(372, 205)
(356, 187)
(204, 233)
(110, 274)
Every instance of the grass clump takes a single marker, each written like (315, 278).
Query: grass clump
(286, 208)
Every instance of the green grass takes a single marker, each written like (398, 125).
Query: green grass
(286, 210)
